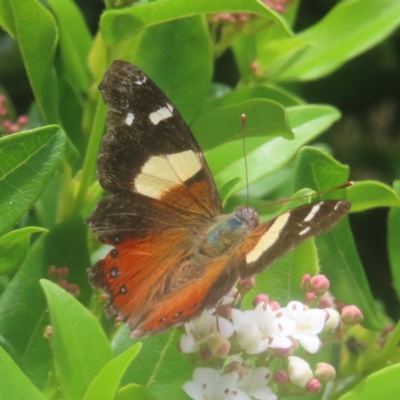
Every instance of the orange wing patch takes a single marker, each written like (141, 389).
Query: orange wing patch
(158, 281)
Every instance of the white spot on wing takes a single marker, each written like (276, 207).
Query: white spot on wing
(313, 211)
(170, 107)
(162, 173)
(304, 231)
(337, 206)
(129, 119)
(160, 115)
(268, 238)
(140, 82)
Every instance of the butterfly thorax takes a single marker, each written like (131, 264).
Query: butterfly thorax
(227, 230)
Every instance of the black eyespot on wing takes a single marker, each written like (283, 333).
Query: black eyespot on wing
(113, 272)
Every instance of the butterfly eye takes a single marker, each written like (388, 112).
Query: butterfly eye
(113, 272)
(123, 290)
(114, 253)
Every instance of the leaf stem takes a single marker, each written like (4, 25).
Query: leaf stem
(89, 165)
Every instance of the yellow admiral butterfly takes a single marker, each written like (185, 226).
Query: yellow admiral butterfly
(175, 253)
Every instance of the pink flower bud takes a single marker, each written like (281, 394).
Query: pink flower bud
(314, 386)
(219, 345)
(280, 377)
(22, 120)
(311, 296)
(261, 298)
(325, 372)
(319, 284)
(352, 315)
(274, 305)
(324, 303)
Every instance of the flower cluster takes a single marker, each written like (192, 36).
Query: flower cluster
(259, 337)
(7, 125)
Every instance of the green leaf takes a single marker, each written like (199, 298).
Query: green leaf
(23, 314)
(264, 118)
(267, 92)
(227, 189)
(337, 250)
(75, 43)
(28, 161)
(13, 383)
(171, 45)
(384, 383)
(265, 157)
(79, 345)
(349, 29)
(14, 246)
(134, 391)
(116, 25)
(35, 30)
(159, 367)
(106, 383)
(393, 241)
(245, 51)
(371, 194)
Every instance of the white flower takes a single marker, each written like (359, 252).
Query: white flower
(200, 329)
(255, 384)
(204, 384)
(261, 328)
(209, 384)
(299, 371)
(309, 322)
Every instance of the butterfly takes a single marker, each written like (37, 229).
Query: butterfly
(175, 253)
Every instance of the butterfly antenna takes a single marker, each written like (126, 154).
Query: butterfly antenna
(284, 201)
(244, 119)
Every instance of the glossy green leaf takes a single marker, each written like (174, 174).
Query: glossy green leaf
(79, 344)
(13, 383)
(393, 242)
(106, 383)
(171, 45)
(7, 18)
(371, 194)
(28, 161)
(23, 314)
(159, 367)
(337, 250)
(267, 92)
(264, 157)
(227, 189)
(383, 384)
(35, 31)
(75, 43)
(120, 24)
(14, 246)
(134, 391)
(350, 28)
(264, 118)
